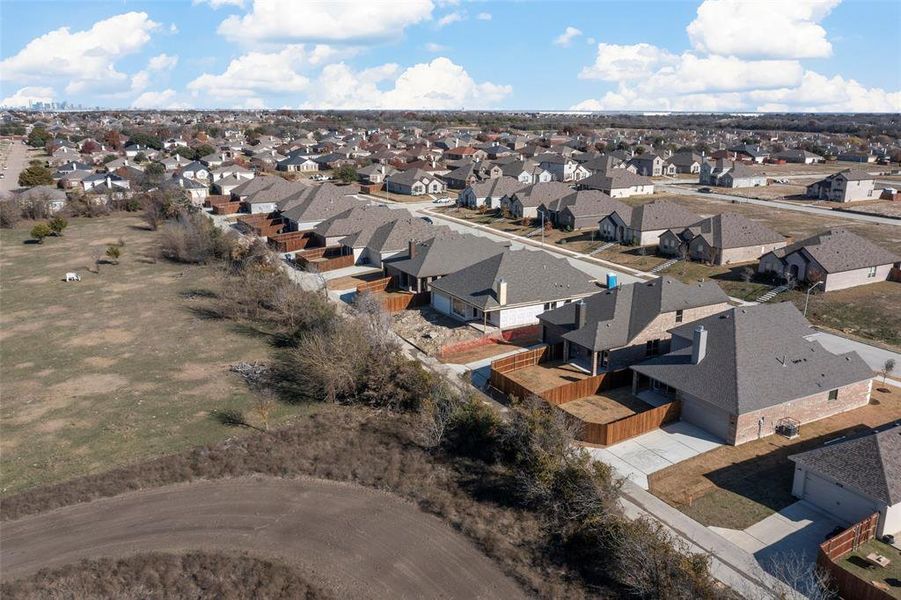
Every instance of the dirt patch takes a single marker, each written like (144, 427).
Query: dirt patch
(88, 385)
(430, 330)
(196, 371)
(103, 337)
(100, 362)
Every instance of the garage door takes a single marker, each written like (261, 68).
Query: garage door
(834, 499)
(707, 417)
(441, 303)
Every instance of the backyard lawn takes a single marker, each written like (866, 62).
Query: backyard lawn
(890, 576)
(116, 368)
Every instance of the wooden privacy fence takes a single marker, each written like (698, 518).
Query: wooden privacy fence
(227, 208)
(850, 539)
(398, 301)
(322, 260)
(834, 549)
(291, 241)
(519, 361)
(375, 286)
(639, 423)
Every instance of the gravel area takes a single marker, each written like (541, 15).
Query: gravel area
(429, 330)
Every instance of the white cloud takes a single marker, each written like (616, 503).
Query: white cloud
(484, 16)
(26, 95)
(84, 59)
(439, 85)
(566, 38)
(590, 41)
(283, 21)
(433, 47)
(449, 18)
(818, 93)
(762, 28)
(215, 4)
(616, 63)
(162, 62)
(173, 28)
(165, 99)
(258, 73)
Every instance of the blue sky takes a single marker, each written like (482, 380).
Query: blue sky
(785, 55)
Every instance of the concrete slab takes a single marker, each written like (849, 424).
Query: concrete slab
(648, 453)
(743, 540)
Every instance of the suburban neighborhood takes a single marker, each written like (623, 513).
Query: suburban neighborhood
(399, 351)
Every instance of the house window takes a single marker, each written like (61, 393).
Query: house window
(652, 348)
(458, 308)
(679, 316)
(871, 272)
(833, 395)
(549, 305)
(605, 359)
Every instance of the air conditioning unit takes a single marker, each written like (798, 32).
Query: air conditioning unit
(788, 428)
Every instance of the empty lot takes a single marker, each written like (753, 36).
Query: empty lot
(352, 540)
(113, 369)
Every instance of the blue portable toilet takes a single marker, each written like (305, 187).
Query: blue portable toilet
(611, 281)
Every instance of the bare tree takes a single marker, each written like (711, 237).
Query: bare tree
(888, 367)
(802, 577)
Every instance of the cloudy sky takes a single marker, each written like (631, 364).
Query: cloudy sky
(729, 55)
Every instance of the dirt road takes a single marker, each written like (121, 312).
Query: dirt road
(355, 541)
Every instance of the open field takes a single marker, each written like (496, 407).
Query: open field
(890, 576)
(737, 486)
(113, 369)
(304, 523)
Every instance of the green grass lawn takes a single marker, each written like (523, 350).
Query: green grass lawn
(891, 575)
(113, 369)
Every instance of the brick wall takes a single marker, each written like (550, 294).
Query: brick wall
(805, 410)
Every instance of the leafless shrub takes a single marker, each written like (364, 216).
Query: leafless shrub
(161, 575)
(803, 578)
(10, 213)
(194, 239)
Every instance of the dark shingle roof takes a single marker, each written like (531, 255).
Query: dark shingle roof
(658, 215)
(731, 230)
(614, 317)
(531, 276)
(838, 250)
(756, 357)
(870, 464)
(442, 255)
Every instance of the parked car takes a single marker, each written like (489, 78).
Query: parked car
(442, 201)
(705, 190)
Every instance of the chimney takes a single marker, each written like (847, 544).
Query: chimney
(699, 345)
(109, 182)
(581, 314)
(500, 290)
(411, 249)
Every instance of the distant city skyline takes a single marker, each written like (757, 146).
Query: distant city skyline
(709, 56)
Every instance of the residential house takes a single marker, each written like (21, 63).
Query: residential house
(618, 183)
(837, 257)
(727, 173)
(509, 289)
(858, 157)
(562, 168)
(644, 224)
(686, 162)
(375, 242)
(414, 182)
(741, 373)
(849, 185)
(524, 203)
(297, 164)
(104, 182)
(439, 256)
(722, 239)
(527, 172)
(648, 164)
(581, 209)
(489, 193)
(54, 197)
(799, 156)
(195, 170)
(375, 173)
(750, 152)
(854, 478)
(619, 327)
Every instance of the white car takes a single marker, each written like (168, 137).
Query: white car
(442, 201)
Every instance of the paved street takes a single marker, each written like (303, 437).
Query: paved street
(17, 157)
(685, 190)
(874, 356)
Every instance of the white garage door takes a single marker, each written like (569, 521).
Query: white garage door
(441, 303)
(841, 502)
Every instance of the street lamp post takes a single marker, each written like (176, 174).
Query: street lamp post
(807, 296)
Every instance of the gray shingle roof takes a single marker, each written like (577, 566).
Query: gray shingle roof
(731, 230)
(447, 254)
(497, 187)
(838, 250)
(614, 317)
(756, 357)
(869, 464)
(542, 193)
(531, 276)
(614, 179)
(654, 216)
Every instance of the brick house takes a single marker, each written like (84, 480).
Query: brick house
(643, 225)
(837, 257)
(724, 239)
(614, 329)
(739, 373)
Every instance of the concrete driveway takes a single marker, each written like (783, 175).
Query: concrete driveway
(640, 456)
(797, 529)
